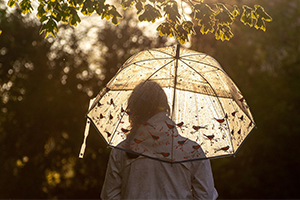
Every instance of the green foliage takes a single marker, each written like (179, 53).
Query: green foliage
(216, 19)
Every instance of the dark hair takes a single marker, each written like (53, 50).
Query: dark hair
(147, 99)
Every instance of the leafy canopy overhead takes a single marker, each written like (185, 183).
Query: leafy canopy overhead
(179, 18)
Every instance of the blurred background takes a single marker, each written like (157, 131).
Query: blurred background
(46, 84)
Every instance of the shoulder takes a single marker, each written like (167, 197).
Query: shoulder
(201, 165)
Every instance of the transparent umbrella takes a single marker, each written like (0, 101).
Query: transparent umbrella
(209, 116)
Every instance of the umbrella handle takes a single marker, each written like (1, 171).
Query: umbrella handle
(86, 132)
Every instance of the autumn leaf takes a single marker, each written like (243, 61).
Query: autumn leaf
(236, 11)
(202, 10)
(50, 27)
(206, 26)
(247, 16)
(189, 27)
(114, 14)
(74, 18)
(150, 14)
(127, 3)
(41, 11)
(166, 28)
(88, 7)
(175, 22)
(182, 34)
(139, 7)
(261, 17)
(223, 33)
(25, 6)
(100, 7)
(204, 14)
(171, 11)
(12, 3)
(224, 16)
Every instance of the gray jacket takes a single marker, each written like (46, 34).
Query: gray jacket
(146, 178)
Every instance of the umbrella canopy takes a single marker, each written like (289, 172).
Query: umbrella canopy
(208, 116)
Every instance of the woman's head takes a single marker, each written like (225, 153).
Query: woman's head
(147, 99)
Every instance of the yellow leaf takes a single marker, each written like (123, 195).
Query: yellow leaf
(260, 24)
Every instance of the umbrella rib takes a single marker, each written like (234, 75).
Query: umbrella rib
(230, 136)
(199, 75)
(210, 87)
(159, 69)
(157, 50)
(150, 59)
(115, 130)
(142, 67)
(140, 61)
(201, 63)
(194, 54)
(136, 63)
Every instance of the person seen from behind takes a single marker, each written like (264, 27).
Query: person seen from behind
(132, 176)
